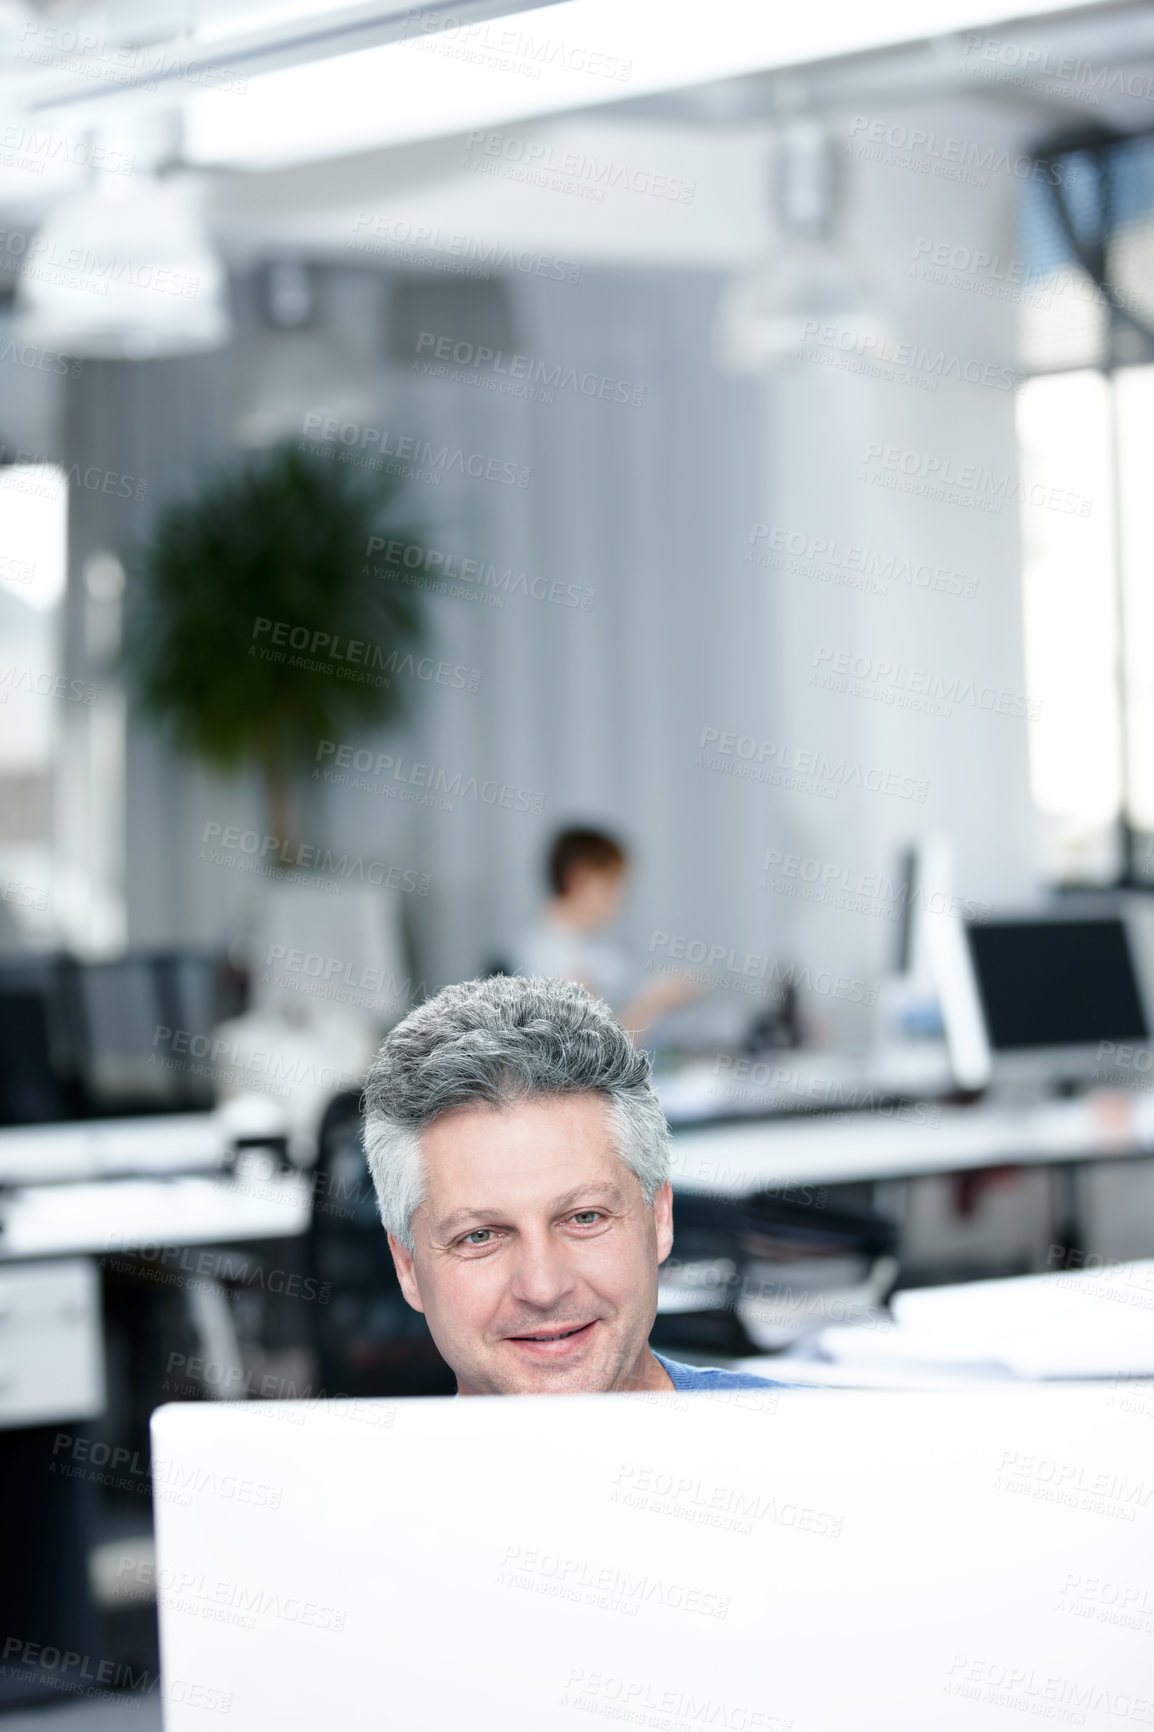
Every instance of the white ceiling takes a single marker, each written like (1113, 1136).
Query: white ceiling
(710, 134)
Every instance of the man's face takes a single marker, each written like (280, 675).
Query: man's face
(535, 1253)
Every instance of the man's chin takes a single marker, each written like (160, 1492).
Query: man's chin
(517, 1369)
(581, 1377)
(573, 1383)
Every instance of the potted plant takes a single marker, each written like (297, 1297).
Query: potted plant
(241, 594)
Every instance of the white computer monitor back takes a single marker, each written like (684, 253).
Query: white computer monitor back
(760, 1561)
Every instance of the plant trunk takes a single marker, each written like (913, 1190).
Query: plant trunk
(281, 818)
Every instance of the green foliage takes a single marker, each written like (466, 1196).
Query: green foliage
(282, 538)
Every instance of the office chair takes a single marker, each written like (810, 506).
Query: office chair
(31, 1093)
(368, 1340)
(753, 1275)
(40, 1043)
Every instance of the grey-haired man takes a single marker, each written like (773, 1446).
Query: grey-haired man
(521, 1161)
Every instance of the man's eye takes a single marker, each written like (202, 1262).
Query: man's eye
(479, 1236)
(586, 1217)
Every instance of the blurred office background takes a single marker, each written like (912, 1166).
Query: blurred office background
(730, 432)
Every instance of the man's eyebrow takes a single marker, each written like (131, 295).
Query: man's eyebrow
(603, 1188)
(454, 1222)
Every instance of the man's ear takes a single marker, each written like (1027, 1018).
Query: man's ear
(406, 1275)
(663, 1220)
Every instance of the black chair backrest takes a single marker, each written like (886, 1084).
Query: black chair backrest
(368, 1339)
(344, 1204)
(30, 1090)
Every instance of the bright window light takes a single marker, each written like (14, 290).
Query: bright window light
(1069, 598)
(578, 54)
(1134, 399)
(33, 533)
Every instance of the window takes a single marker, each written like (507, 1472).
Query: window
(1086, 446)
(33, 535)
(61, 738)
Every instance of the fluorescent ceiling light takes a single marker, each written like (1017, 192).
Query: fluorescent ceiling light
(578, 54)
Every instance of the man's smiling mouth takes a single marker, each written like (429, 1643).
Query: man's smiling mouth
(543, 1340)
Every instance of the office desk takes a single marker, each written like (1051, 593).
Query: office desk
(65, 1201)
(111, 1148)
(51, 1353)
(129, 1214)
(52, 1357)
(737, 1159)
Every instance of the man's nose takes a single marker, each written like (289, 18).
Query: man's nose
(542, 1275)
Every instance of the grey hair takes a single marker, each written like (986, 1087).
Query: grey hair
(496, 1042)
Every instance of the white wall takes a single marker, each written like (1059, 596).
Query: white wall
(824, 420)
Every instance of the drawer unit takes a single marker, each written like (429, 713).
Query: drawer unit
(51, 1355)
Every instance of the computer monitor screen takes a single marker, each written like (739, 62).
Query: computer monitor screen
(1056, 983)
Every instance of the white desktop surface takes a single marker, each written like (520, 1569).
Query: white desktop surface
(730, 1086)
(99, 1148)
(838, 1148)
(815, 1560)
(1069, 1324)
(1096, 1322)
(103, 1216)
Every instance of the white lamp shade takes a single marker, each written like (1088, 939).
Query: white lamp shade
(769, 313)
(124, 274)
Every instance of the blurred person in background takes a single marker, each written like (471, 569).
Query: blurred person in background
(588, 875)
